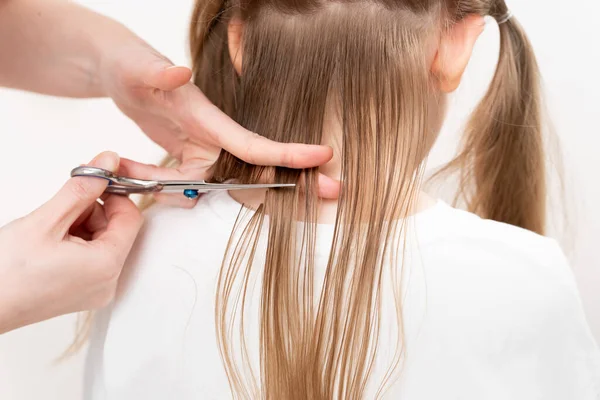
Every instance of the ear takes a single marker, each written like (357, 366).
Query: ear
(454, 52)
(235, 30)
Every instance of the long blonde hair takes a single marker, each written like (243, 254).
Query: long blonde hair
(363, 63)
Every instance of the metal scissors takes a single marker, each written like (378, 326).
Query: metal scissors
(190, 189)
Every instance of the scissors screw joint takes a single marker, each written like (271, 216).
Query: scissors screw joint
(190, 193)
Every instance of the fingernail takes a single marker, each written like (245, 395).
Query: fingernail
(107, 160)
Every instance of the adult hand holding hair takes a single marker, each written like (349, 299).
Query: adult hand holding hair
(174, 113)
(85, 54)
(67, 255)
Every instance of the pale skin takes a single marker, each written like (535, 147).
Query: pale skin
(67, 255)
(449, 56)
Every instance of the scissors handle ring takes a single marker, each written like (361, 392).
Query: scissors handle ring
(119, 184)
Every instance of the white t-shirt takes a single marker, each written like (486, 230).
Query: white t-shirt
(490, 312)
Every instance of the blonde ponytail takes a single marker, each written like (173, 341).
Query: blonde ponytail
(502, 161)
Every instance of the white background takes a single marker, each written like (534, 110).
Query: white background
(42, 138)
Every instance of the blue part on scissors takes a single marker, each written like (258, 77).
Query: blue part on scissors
(191, 193)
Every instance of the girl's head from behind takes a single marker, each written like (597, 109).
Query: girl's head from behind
(370, 79)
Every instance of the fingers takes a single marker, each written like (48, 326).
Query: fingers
(134, 169)
(138, 170)
(165, 76)
(124, 223)
(152, 172)
(83, 217)
(92, 220)
(329, 188)
(176, 200)
(77, 195)
(256, 149)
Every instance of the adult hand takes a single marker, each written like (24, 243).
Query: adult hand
(67, 255)
(73, 51)
(175, 114)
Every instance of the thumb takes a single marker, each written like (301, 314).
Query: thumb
(162, 74)
(75, 197)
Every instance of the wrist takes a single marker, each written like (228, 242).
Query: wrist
(112, 53)
(108, 48)
(20, 297)
(10, 316)
(104, 43)
(13, 313)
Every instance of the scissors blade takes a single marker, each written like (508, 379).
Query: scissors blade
(203, 187)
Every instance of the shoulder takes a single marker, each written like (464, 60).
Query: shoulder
(507, 301)
(507, 269)
(494, 277)
(475, 238)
